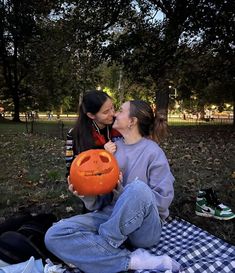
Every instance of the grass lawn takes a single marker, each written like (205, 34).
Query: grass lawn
(32, 171)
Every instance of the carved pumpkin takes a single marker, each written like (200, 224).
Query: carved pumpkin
(94, 172)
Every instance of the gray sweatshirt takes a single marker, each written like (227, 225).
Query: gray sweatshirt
(144, 161)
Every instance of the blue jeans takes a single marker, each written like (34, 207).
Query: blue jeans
(93, 242)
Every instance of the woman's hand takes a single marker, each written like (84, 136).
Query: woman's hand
(110, 147)
(71, 189)
(117, 191)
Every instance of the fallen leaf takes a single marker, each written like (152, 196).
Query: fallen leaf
(69, 209)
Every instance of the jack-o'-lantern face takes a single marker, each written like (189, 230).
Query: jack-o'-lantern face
(94, 172)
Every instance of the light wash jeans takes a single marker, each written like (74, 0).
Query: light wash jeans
(93, 242)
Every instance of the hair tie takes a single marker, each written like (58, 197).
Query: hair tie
(161, 117)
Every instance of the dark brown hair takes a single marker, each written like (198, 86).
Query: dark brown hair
(149, 124)
(92, 102)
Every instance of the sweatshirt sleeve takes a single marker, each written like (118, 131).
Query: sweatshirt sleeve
(96, 202)
(69, 152)
(161, 182)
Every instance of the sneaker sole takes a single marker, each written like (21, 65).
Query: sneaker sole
(225, 219)
(213, 216)
(203, 214)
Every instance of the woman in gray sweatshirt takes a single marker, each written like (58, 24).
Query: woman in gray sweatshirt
(133, 213)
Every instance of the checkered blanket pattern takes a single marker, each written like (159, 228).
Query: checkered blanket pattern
(195, 249)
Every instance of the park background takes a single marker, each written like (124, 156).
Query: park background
(178, 55)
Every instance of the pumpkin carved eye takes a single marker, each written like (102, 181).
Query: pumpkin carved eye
(94, 172)
(85, 160)
(104, 159)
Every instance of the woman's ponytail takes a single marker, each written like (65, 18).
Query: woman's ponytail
(150, 125)
(160, 128)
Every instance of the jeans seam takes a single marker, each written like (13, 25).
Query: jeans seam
(96, 244)
(131, 220)
(141, 213)
(110, 242)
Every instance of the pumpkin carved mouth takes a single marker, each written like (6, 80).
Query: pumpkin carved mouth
(93, 173)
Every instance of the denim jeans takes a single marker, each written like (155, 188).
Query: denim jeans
(93, 242)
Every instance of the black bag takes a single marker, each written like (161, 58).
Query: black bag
(23, 237)
(14, 223)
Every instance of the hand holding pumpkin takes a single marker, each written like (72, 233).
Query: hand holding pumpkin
(118, 190)
(71, 189)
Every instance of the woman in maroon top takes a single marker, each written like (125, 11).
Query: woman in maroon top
(93, 128)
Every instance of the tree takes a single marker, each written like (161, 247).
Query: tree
(52, 77)
(17, 29)
(207, 66)
(121, 87)
(49, 58)
(89, 26)
(84, 29)
(150, 47)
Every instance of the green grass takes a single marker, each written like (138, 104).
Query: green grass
(52, 128)
(32, 172)
(12, 128)
(59, 128)
(194, 122)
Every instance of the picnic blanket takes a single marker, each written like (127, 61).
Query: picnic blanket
(195, 249)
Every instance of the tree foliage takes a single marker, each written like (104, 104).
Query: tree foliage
(52, 52)
(18, 27)
(152, 48)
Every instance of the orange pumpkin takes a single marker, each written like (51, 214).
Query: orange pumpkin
(94, 172)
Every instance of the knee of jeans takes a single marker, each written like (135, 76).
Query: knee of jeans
(140, 189)
(49, 238)
(53, 237)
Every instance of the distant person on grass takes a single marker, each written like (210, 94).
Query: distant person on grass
(111, 238)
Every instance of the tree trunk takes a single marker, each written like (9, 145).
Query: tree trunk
(162, 100)
(16, 101)
(120, 89)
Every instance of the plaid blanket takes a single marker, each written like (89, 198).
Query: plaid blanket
(195, 249)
